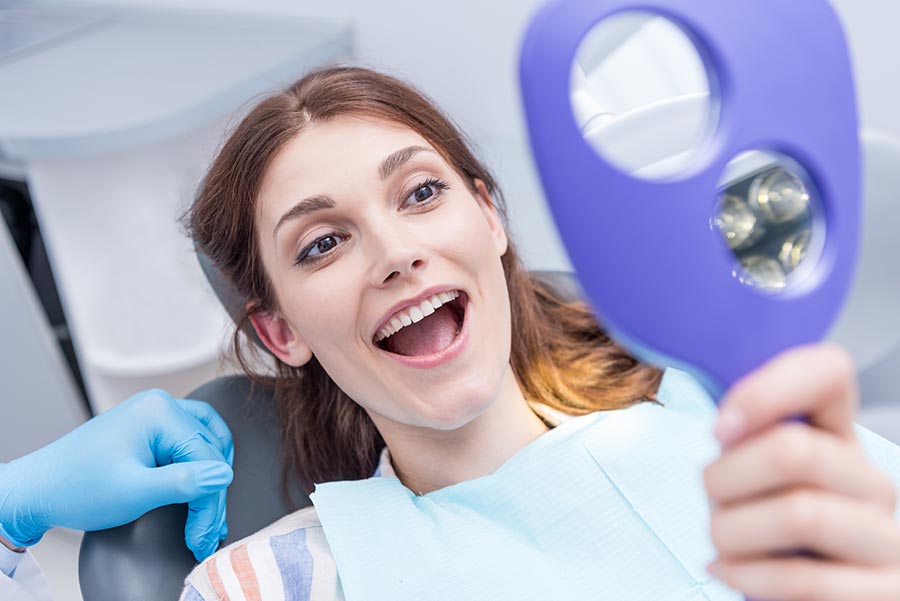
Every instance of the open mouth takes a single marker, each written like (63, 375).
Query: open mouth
(425, 335)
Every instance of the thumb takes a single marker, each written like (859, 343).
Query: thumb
(185, 481)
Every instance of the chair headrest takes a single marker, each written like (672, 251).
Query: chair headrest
(231, 299)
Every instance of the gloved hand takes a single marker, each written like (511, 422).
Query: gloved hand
(104, 473)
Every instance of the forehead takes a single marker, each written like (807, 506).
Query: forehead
(342, 150)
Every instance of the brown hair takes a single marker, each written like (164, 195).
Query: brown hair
(560, 355)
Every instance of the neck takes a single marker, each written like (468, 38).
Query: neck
(427, 459)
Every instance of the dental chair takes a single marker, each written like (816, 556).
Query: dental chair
(147, 560)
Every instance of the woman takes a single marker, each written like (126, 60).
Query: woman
(410, 342)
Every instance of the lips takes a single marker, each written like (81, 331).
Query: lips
(437, 304)
(404, 304)
(447, 354)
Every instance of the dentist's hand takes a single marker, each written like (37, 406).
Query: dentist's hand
(781, 486)
(150, 450)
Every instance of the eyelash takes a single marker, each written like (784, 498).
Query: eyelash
(304, 260)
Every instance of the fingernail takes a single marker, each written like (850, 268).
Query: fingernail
(730, 426)
(214, 476)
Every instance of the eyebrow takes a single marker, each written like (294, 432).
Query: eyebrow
(389, 165)
(395, 160)
(305, 207)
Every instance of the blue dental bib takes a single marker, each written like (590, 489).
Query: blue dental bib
(610, 505)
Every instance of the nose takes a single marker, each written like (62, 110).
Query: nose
(399, 254)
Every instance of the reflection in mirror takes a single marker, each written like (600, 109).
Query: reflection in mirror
(770, 219)
(640, 94)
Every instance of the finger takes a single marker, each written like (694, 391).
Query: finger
(223, 532)
(830, 525)
(203, 540)
(792, 454)
(804, 579)
(175, 434)
(181, 482)
(193, 445)
(220, 518)
(209, 417)
(816, 381)
(201, 530)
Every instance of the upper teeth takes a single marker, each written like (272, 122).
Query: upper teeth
(415, 313)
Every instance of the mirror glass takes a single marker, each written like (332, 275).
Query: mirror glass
(770, 219)
(641, 95)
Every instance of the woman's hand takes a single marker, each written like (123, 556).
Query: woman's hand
(148, 451)
(783, 486)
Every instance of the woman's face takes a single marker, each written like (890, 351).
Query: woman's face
(356, 219)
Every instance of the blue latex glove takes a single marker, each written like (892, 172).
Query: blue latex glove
(104, 473)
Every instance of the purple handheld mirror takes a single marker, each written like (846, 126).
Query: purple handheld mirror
(749, 247)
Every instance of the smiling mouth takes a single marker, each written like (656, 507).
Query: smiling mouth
(430, 335)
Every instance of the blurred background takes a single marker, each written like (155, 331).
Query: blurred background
(110, 112)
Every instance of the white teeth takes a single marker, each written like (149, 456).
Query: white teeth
(415, 313)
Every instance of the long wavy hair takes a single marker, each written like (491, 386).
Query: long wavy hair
(560, 355)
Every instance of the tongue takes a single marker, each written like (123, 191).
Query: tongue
(426, 336)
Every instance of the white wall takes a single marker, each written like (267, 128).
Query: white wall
(871, 27)
(464, 55)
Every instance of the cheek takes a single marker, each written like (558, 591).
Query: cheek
(480, 254)
(321, 310)
(467, 233)
(336, 344)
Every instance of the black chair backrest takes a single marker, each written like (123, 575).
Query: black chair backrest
(147, 560)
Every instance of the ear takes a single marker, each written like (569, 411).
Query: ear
(492, 216)
(280, 338)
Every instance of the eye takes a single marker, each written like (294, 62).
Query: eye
(319, 248)
(428, 190)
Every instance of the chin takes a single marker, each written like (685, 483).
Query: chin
(456, 412)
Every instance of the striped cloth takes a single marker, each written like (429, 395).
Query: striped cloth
(290, 560)
(286, 561)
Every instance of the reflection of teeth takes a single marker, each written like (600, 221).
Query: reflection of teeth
(415, 313)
